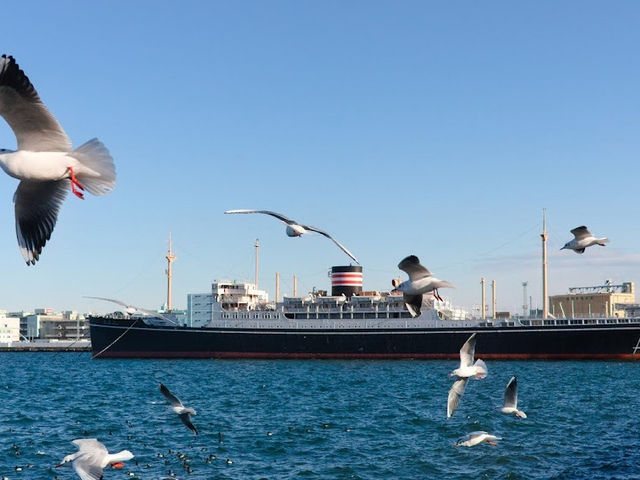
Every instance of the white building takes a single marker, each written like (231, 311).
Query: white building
(9, 329)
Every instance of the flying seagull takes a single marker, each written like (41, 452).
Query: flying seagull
(583, 239)
(476, 438)
(44, 162)
(295, 229)
(176, 405)
(466, 370)
(131, 309)
(92, 456)
(511, 399)
(420, 282)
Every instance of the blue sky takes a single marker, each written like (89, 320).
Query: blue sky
(440, 129)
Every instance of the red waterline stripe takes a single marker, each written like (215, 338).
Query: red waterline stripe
(426, 356)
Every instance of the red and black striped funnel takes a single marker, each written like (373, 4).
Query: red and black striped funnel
(346, 280)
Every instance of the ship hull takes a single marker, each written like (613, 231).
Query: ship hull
(119, 338)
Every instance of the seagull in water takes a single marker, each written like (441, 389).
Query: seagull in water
(420, 282)
(466, 370)
(176, 405)
(44, 162)
(511, 399)
(296, 230)
(131, 309)
(583, 239)
(476, 438)
(92, 456)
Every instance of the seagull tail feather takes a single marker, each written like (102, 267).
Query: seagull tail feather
(98, 172)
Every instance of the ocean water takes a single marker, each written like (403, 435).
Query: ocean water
(318, 419)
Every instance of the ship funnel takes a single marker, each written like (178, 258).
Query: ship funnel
(346, 280)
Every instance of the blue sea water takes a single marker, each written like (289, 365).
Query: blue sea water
(318, 419)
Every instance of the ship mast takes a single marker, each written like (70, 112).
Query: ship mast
(545, 309)
(170, 258)
(257, 245)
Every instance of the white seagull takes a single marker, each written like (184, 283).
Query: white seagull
(420, 282)
(44, 162)
(511, 399)
(583, 239)
(176, 405)
(296, 229)
(476, 438)
(466, 370)
(131, 309)
(92, 456)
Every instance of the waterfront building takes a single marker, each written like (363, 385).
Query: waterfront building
(48, 325)
(606, 300)
(9, 328)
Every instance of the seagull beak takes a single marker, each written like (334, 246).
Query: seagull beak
(59, 465)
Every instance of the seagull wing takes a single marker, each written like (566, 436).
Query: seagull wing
(467, 351)
(186, 419)
(87, 464)
(581, 232)
(175, 401)
(511, 393)
(279, 216)
(413, 303)
(411, 265)
(322, 232)
(455, 394)
(139, 309)
(36, 129)
(36, 210)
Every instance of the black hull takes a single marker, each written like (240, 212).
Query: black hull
(116, 338)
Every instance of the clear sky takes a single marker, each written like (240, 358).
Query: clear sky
(440, 129)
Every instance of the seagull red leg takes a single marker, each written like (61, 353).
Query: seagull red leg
(75, 183)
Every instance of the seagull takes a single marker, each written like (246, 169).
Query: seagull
(476, 438)
(44, 162)
(466, 370)
(92, 456)
(131, 309)
(583, 239)
(511, 399)
(420, 282)
(176, 405)
(296, 230)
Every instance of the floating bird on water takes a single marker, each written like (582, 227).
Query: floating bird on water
(131, 309)
(92, 456)
(511, 399)
(420, 282)
(476, 438)
(44, 162)
(466, 370)
(176, 405)
(583, 239)
(296, 230)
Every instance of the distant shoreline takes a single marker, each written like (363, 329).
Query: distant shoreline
(46, 348)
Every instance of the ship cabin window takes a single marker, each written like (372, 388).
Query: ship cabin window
(590, 321)
(549, 322)
(323, 315)
(334, 316)
(394, 314)
(358, 315)
(562, 322)
(575, 322)
(370, 315)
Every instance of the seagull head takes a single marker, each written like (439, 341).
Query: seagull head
(295, 230)
(67, 459)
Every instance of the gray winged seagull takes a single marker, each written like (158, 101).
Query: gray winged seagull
(466, 370)
(131, 309)
(511, 399)
(176, 405)
(44, 162)
(295, 229)
(476, 438)
(420, 282)
(92, 457)
(583, 239)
